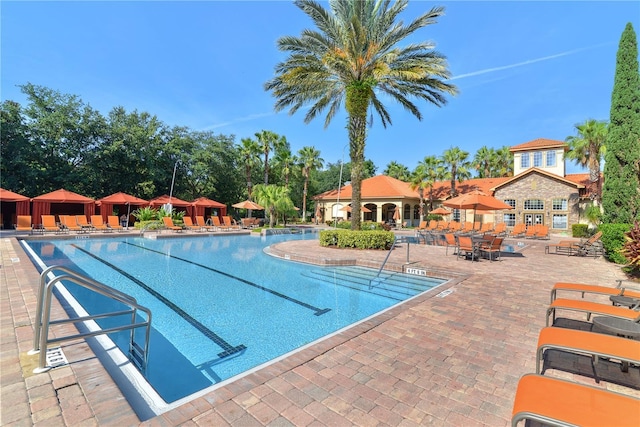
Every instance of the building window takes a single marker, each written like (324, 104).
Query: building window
(559, 222)
(534, 205)
(511, 202)
(455, 216)
(524, 160)
(551, 159)
(560, 204)
(537, 159)
(510, 219)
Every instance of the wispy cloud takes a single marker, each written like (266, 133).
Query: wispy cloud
(237, 120)
(530, 61)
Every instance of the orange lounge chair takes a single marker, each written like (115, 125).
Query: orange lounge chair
(114, 223)
(531, 231)
(422, 225)
(168, 223)
(81, 220)
(98, 224)
(541, 232)
(518, 230)
(24, 223)
(49, 224)
(203, 224)
(556, 402)
(450, 240)
(587, 343)
(500, 229)
(491, 247)
(218, 225)
(229, 223)
(190, 225)
(69, 222)
(465, 244)
(590, 307)
(593, 289)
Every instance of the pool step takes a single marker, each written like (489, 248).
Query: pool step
(393, 285)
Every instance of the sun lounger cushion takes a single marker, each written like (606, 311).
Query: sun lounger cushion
(592, 289)
(589, 308)
(557, 402)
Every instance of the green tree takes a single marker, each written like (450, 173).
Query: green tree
(503, 165)
(285, 160)
(397, 171)
(457, 167)
(275, 200)
(620, 194)
(483, 161)
(309, 160)
(249, 153)
(587, 150)
(427, 173)
(269, 141)
(19, 155)
(351, 59)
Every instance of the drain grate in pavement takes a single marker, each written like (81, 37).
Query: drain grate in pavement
(55, 357)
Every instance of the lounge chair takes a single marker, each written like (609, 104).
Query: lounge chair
(98, 224)
(619, 290)
(218, 225)
(563, 247)
(591, 246)
(589, 308)
(450, 241)
(530, 232)
(168, 223)
(487, 227)
(587, 343)
(69, 223)
(518, 230)
(422, 225)
(491, 247)
(49, 224)
(229, 223)
(466, 228)
(24, 224)
(465, 244)
(200, 222)
(188, 223)
(114, 223)
(500, 229)
(542, 232)
(558, 402)
(455, 226)
(81, 220)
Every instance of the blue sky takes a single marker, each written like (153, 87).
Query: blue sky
(525, 70)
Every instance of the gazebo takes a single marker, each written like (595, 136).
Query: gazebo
(106, 204)
(175, 202)
(11, 205)
(51, 203)
(198, 207)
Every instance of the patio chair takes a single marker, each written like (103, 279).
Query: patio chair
(530, 232)
(465, 244)
(591, 246)
(218, 225)
(591, 308)
(82, 222)
(500, 229)
(587, 343)
(558, 402)
(487, 227)
(228, 222)
(491, 247)
(455, 226)
(422, 225)
(466, 228)
(188, 223)
(69, 223)
(450, 241)
(49, 224)
(114, 223)
(518, 230)
(542, 232)
(24, 224)
(203, 224)
(619, 290)
(98, 224)
(168, 223)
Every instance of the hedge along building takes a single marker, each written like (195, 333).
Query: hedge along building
(540, 193)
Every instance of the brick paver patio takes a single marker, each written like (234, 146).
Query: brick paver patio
(451, 360)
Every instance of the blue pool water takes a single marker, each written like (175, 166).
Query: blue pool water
(220, 305)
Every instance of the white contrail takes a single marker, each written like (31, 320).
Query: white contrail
(238, 120)
(530, 61)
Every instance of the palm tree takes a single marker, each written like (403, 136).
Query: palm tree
(483, 161)
(309, 160)
(455, 160)
(351, 59)
(503, 162)
(268, 141)
(587, 149)
(249, 151)
(433, 171)
(285, 160)
(274, 199)
(418, 181)
(397, 171)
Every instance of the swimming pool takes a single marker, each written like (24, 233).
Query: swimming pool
(220, 305)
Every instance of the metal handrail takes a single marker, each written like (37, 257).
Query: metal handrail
(401, 239)
(43, 313)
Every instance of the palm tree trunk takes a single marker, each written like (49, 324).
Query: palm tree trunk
(304, 198)
(357, 103)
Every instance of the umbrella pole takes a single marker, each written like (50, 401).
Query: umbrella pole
(128, 213)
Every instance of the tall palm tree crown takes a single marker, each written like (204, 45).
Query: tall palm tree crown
(587, 149)
(350, 60)
(309, 160)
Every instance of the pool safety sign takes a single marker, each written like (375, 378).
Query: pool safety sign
(416, 271)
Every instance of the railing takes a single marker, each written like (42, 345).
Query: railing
(41, 341)
(401, 239)
(150, 224)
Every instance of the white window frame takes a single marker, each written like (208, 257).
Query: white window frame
(524, 160)
(562, 226)
(551, 159)
(537, 159)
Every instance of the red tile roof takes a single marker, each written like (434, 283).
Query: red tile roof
(539, 144)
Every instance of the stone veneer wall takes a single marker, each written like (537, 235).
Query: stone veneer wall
(537, 186)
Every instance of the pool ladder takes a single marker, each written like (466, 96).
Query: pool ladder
(402, 239)
(137, 354)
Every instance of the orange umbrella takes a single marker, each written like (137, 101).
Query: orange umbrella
(248, 204)
(476, 201)
(121, 198)
(396, 214)
(440, 211)
(348, 209)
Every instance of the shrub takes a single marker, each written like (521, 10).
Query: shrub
(631, 249)
(368, 239)
(580, 230)
(613, 239)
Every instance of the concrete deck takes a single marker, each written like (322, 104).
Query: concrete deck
(441, 361)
